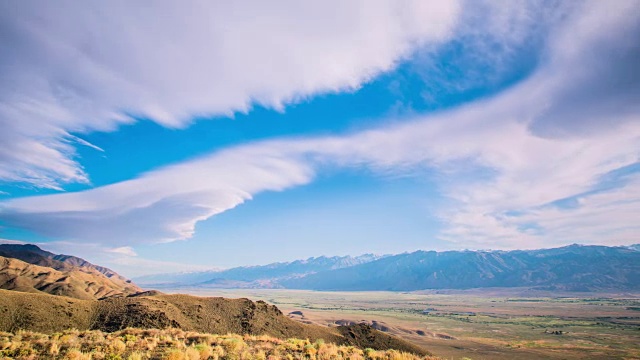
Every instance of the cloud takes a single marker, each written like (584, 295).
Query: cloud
(123, 260)
(163, 205)
(123, 250)
(491, 44)
(80, 67)
(608, 214)
(9, 241)
(593, 69)
(505, 163)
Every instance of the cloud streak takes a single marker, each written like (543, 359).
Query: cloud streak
(163, 205)
(520, 142)
(92, 66)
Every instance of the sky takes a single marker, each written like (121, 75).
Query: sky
(194, 135)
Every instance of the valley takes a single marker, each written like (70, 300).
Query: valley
(320, 180)
(477, 324)
(48, 293)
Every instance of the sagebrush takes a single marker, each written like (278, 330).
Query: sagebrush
(176, 344)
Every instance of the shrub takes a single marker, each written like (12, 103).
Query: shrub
(204, 350)
(135, 356)
(54, 349)
(175, 354)
(192, 354)
(75, 354)
(117, 346)
(175, 344)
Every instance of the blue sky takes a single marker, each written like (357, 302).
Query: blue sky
(238, 134)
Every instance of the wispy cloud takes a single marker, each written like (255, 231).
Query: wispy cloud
(78, 67)
(163, 205)
(9, 241)
(124, 260)
(85, 143)
(123, 250)
(529, 146)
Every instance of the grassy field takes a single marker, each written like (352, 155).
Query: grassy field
(492, 324)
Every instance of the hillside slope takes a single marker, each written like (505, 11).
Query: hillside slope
(76, 282)
(30, 269)
(47, 313)
(34, 255)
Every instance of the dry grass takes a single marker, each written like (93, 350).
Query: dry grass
(176, 344)
(49, 314)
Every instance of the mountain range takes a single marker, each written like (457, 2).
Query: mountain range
(265, 276)
(44, 292)
(569, 268)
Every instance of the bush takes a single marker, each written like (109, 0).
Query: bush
(175, 344)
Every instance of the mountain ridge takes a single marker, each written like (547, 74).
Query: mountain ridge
(259, 275)
(569, 268)
(28, 268)
(51, 293)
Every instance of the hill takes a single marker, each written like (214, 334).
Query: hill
(34, 255)
(264, 276)
(569, 268)
(47, 313)
(28, 268)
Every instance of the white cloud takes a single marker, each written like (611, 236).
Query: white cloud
(9, 241)
(518, 140)
(89, 66)
(163, 205)
(123, 250)
(492, 165)
(610, 215)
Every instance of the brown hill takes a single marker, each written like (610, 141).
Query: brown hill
(46, 313)
(59, 278)
(76, 282)
(36, 256)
